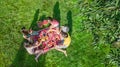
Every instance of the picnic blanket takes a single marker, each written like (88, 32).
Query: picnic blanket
(49, 38)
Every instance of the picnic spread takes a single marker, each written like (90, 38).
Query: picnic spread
(52, 35)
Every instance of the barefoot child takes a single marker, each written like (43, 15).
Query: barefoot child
(26, 34)
(52, 23)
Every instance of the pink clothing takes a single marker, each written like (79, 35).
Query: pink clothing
(54, 23)
(35, 38)
(53, 36)
(45, 22)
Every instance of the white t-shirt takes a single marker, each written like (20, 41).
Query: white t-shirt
(30, 50)
(64, 28)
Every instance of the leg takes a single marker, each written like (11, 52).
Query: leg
(64, 51)
(37, 56)
(38, 53)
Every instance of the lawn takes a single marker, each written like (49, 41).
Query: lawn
(94, 26)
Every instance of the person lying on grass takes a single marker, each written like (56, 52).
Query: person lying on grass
(49, 22)
(29, 34)
(65, 40)
(34, 36)
(26, 34)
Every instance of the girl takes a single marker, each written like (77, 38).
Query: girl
(52, 23)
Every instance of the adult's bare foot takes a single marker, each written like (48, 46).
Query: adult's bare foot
(65, 53)
(36, 59)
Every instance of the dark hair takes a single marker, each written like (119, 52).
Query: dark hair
(50, 18)
(22, 28)
(29, 43)
(64, 34)
(25, 32)
(28, 46)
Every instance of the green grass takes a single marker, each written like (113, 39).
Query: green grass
(93, 27)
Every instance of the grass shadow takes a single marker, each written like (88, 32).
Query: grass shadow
(56, 12)
(20, 57)
(42, 18)
(34, 24)
(19, 60)
(69, 18)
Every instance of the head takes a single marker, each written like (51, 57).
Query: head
(44, 23)
(50, 18)
(64, 34)
(30, 31)
(40, 24)
(24, 31)
(118, 36)
(27, 44)
(64, 28)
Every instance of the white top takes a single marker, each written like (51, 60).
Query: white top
(64, 28)
(30, 50)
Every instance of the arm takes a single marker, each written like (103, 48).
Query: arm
(37, 55)
(24, 37)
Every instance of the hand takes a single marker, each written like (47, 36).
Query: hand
(30, 31)
(24, 37)
(40, 24)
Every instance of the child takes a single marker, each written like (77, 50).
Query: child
(64, 43)
(29, 35)
(33, 32)
(43, 24)
(52, 23)
(26, 35)
(65, 40)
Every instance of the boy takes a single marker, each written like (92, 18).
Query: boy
(26, 34)
(29, 34)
